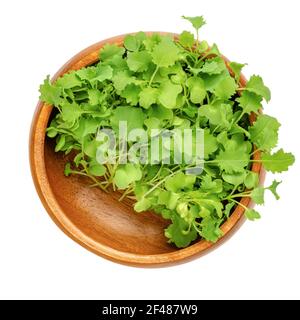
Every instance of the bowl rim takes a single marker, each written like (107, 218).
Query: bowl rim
(47, 197)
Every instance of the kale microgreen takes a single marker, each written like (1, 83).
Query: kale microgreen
(160, 82)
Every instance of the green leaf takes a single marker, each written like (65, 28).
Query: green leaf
(178, 232)
(160, 112)
(225, 88)
(85, 127)
(70, 111)
(197, 22)
(152, 123)
(211, 186)
(273, 188)
(131, 94)
(121, 79)
(278, 161)
(168, 93)
(60, 143)
(138, 61)
(186, 39)
(127, 174)
(249, 102)
(109, 51)
(51, 132)
(168, 199)
(89, 147)
(210, 143)
(67, 170)
(180, 181)
(264, 132)
(252, 215)
(211, 81)
(151, 41)
(147, 97)
(257, 195)
(134, 42)
(197, 89)
(213, 66)
(142, 205)
(228, 209)
(256, 85)
(210, 229)
(102, 73)
(233, 159)
(251, 180)
(68, 80)
(50, 93)
(165, 53)
(97, 170)
(237, 68)
(234, 178)
(94, 96)
(134, 117)
(219, 114)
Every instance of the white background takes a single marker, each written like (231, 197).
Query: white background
(37, 261)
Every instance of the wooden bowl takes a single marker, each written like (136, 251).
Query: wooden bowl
(96, 220)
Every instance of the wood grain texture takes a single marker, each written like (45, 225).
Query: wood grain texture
(96, 220)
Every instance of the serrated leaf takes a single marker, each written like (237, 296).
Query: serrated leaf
(165, 53)
(131, 94)
(180, 181)
(218, 114)
(186, 39)
(210, 229)
(213, 66)
(178, 232)
(70, 111)
(148, 96)
(249, 102)
(225, 88)
(256, 85)
(138, 61)
(237, 68)
(278, 161)
(233, 159)
(109, 51)
(264, 132)
(121, 79)
(134, 42)
(69, 80)
(273, 188)
(197, 21)
(50, 93)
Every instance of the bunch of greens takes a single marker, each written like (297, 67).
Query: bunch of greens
(156, 81)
